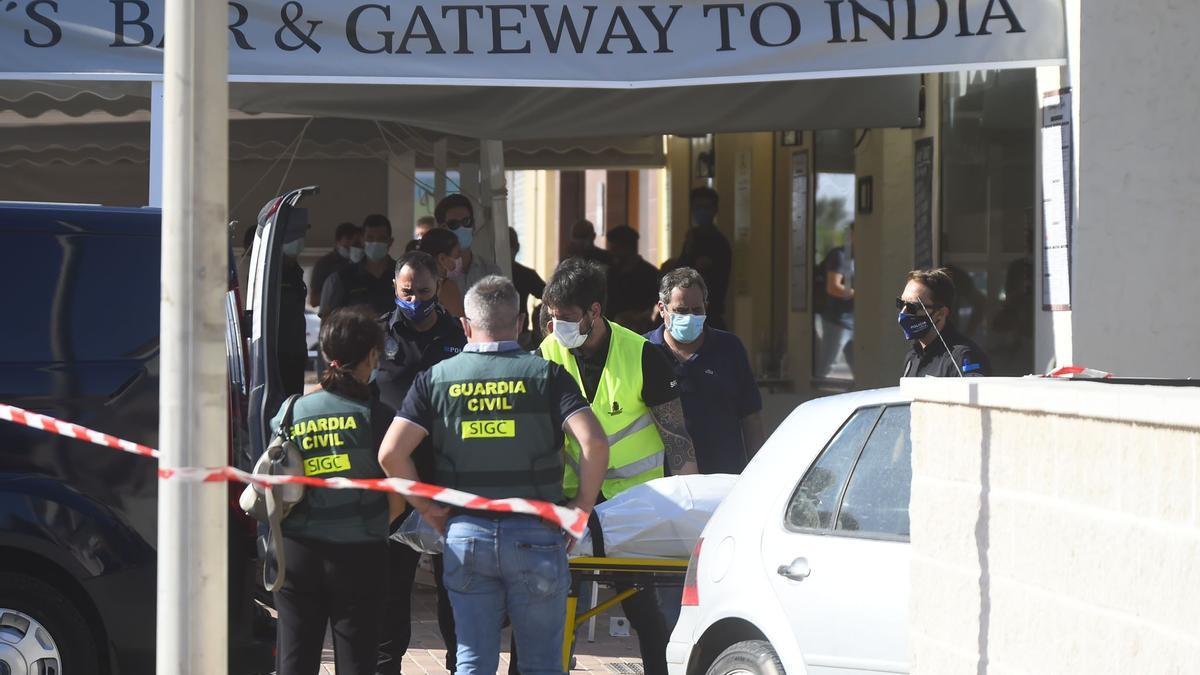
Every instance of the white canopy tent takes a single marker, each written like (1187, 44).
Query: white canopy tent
(552, 72)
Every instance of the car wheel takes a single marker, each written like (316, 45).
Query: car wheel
(752, 657)
(41, 631)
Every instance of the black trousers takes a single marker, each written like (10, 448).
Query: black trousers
(330, 584)
(402, 568)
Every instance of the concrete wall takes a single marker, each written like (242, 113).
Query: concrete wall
(1135, 281)
(1055, 527)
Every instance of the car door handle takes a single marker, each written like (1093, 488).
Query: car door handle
(797, 571)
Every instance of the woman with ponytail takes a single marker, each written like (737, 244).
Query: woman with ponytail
(336, 540)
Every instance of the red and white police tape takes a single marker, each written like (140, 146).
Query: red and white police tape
(573, 521)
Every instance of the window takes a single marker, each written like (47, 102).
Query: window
(876, 500)
(816, 498)
(833, 253)
(989, 197)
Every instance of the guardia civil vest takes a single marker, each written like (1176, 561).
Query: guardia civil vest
(635, 453)
(335, 436)
(493, 433)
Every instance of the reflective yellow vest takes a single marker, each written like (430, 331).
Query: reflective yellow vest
(635, 448)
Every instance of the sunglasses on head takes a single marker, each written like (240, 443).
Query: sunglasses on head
(915, 307)
(467, 222)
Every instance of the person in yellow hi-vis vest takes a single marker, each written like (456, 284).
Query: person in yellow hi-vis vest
(632, 390)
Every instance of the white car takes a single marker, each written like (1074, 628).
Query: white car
(804, 566)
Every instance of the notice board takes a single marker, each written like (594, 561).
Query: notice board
(1056, 200)
(743, 180)
(923, 204)
(799, 231)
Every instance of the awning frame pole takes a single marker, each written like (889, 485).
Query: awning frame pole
(491, 156)
(193, 562)
(439, 170)
(156, 144)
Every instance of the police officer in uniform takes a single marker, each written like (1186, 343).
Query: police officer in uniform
(497, 416)
(632, 389)
(418, 334)
(334, 540)
(938, 348)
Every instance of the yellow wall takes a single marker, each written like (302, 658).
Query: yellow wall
(883, 245)
(752, 292)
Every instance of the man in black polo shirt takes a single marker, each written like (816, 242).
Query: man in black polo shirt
(418, 334)
(938, 349)
(368, 282)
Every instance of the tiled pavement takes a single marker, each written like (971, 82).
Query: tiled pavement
(427, 656)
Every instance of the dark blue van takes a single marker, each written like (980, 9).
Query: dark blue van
(80, 341)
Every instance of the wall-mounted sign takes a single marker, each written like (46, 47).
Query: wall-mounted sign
(864, 201)
(799, 232)
(1056, 200)
(743, 180)
(923, 204)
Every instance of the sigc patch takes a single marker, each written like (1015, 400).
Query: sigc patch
(489, 429)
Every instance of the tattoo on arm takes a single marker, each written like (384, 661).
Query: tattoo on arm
(678, 448)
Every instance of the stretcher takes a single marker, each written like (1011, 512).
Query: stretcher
(635, 574)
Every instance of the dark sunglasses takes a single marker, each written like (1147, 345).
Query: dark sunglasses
(915, 307)
(467, 222)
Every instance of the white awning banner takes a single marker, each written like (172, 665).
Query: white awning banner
(603, 44)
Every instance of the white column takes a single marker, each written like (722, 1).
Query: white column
(401, 195)
(192, 594)
(491, 153)
(156, 143)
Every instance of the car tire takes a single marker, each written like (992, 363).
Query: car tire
(753, 657)
(27, 604)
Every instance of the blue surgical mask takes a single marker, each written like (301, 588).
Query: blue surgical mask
(416, 311)
(343, 251)
(686, 327)
(703, 216)
(376, 250)
(465, 236)
(914, 325)
(356, 254)
(292, 249)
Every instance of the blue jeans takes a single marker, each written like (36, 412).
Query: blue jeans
(513, 566)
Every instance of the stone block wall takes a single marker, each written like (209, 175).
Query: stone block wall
(1055, 528)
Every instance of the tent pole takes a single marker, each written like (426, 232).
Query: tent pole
(491, 155)
(402, 168)
(192, 593)
(156, 143)
(439, 169)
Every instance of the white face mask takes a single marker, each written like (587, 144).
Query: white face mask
(343, 251)
(356, 254)
(568, 333)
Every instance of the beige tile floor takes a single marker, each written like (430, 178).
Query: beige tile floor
(427, 656)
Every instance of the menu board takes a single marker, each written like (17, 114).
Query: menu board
(923, 204)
